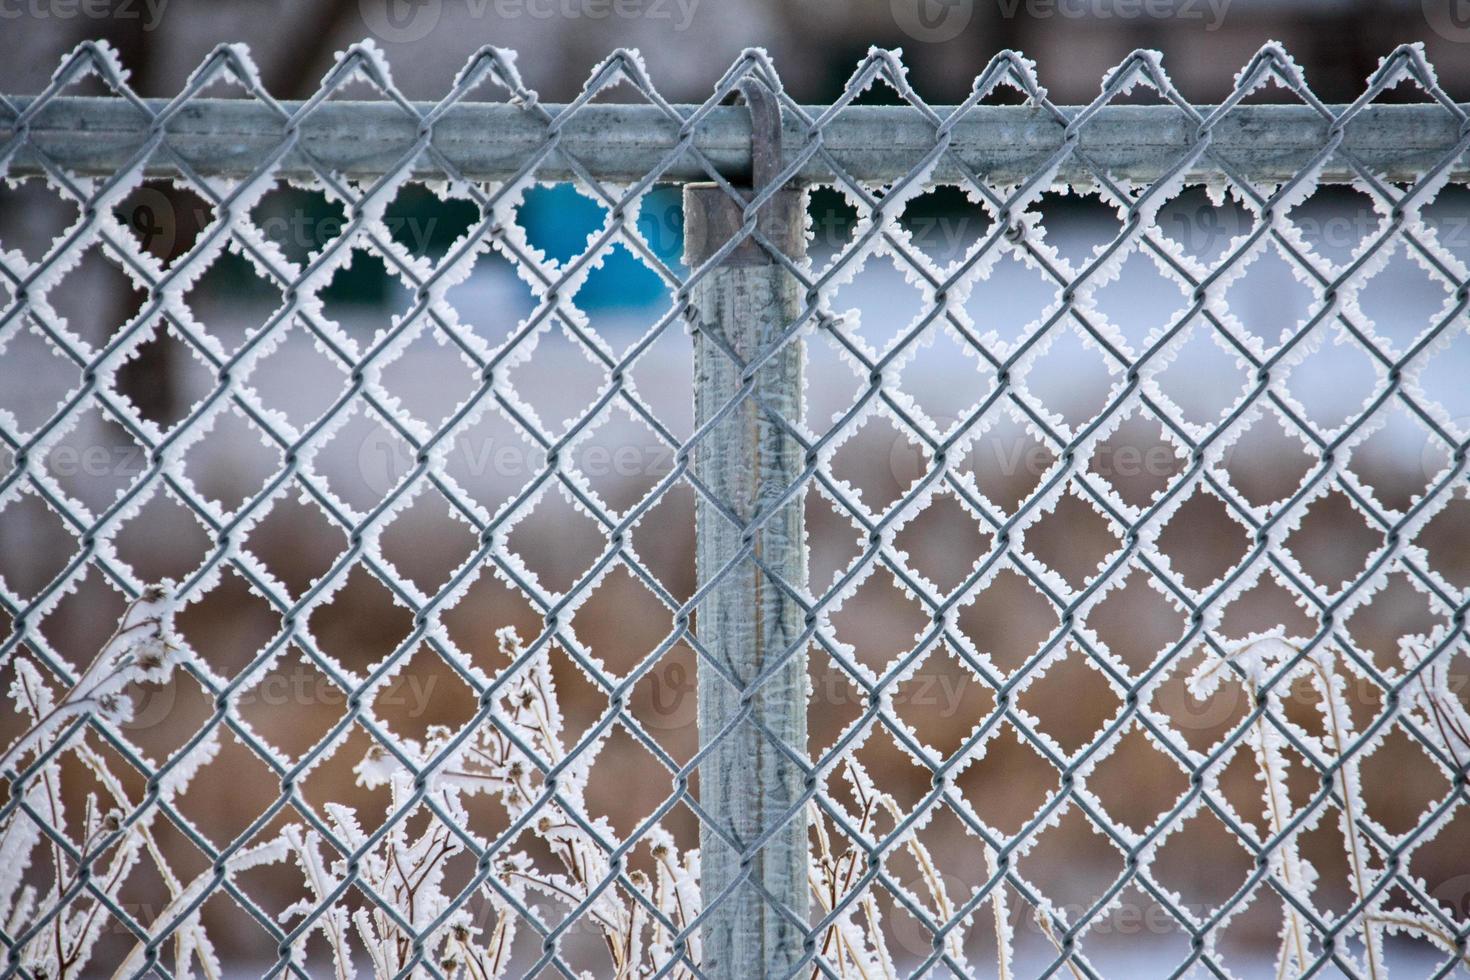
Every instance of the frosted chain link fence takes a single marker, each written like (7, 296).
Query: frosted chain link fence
(435, 887)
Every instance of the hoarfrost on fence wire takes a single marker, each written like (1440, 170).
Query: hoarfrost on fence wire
(362, 637)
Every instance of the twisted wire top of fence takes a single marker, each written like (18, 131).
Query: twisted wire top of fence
(513, 135)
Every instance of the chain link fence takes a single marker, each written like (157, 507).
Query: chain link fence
(472, 748)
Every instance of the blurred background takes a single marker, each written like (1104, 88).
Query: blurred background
(815, 46)
(688, 42)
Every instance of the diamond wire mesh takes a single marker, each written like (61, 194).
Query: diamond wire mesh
(554, 284)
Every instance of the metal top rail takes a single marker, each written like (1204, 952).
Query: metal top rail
(488, 141)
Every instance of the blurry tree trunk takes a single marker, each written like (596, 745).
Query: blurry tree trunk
(147, 380)
(290, 69)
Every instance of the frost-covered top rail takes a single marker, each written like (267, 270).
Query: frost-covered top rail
(499, 141)
(490, 127)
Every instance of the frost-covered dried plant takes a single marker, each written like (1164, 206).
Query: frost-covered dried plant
(412, 913)
(504, 757)
(856, 946)
(403, 873)
(116, 831)
(408, 872)
(1261, 657)
(139, 651)
(1441, 709)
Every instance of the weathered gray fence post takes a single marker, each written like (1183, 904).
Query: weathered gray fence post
(747, 622)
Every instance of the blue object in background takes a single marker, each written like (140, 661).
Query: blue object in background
(560, 219)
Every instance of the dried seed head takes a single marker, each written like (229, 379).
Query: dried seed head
(461, 932)
(112, 823)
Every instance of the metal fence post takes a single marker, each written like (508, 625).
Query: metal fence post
(747, 622)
